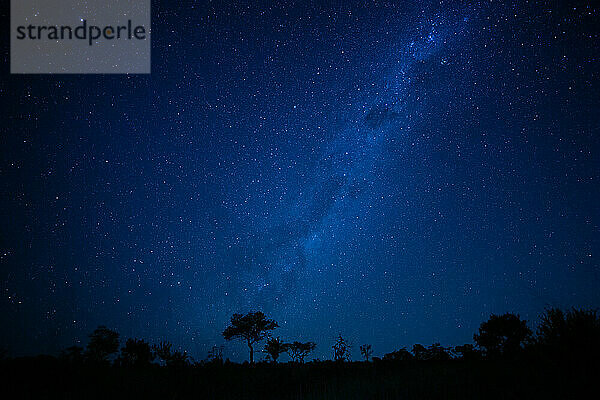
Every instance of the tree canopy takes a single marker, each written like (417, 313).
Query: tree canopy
(502, 335)
(251, 328)
(299, 350)
(569, 336)
(103, 343)
(275, 347)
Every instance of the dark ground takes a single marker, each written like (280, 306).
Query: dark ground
(49, 378)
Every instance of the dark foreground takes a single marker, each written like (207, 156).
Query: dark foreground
(48, 378)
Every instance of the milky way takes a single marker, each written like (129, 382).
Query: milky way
(330, 205)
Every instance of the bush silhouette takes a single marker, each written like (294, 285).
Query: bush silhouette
(467, 352)
(438, 352)
(164, 351)
(215, 355)
(73, 354)
(434, 352)
(399, 355)
(275, 347)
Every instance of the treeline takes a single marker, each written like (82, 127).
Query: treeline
(557, 359)
(560, 336)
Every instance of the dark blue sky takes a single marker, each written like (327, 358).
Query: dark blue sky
(391, 171)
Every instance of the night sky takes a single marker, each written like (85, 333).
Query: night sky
(391, 171)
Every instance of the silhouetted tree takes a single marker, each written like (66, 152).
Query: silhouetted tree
(341, 349)
(179, 359)
(366, 351)
(420, 352)
(298, 350)
(572, 336)
(164, 351)
(467, 352)
(103, 343)
(137, 353)
(438, 352)
(502, 335)
(251, 328)
(399, 355)
(434, 352)
(275, 347)
(215, 355)
(73, 354)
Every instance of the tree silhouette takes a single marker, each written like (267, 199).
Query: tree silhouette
(502, 335)
(251, 328)
(137, 353)
(437, 352)
(215, 355)
(275, 347)
(298, 350)
(103, 343)
(399, 355)
(467, 352)
(571, 336)
(341, 349)
(164, 351)
(179, 359)
(420, 352)
(366, 351)
(73, 354)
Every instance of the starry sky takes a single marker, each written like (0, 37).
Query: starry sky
(391, 171)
